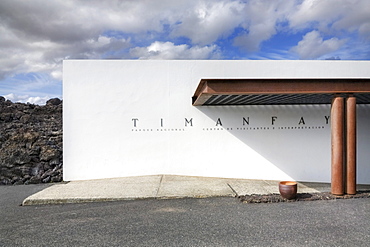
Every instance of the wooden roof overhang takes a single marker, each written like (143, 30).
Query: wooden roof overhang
(279, 91)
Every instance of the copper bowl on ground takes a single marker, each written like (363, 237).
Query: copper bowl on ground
(288, 189)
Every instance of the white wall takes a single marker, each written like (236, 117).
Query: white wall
(101, 99)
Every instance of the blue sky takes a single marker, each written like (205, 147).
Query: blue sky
(36, 36)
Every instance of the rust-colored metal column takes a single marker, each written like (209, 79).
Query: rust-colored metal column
(337, 145)
(351, 145)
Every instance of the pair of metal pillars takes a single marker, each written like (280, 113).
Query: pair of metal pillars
(343, 145)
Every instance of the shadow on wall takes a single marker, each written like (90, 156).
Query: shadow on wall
(294, 138)
(363, 144)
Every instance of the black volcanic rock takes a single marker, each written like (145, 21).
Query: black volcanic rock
(54, 101)
(31, 141)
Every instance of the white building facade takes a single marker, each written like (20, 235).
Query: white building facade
(133, 117)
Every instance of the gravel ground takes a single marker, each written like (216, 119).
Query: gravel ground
(272, 198)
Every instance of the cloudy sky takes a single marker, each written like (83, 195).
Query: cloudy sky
(36, 35)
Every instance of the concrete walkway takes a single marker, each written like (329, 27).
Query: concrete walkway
(160, 187)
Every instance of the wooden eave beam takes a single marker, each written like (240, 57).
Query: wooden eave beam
(209, 87)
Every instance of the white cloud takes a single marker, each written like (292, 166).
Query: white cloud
(38, 35)
(262, 19)
(31, 87)
(356, 18)
(313, 46)
(332, 16)
(320, 12)
(168, 50)
(207, 21)
(27, 99)
(45, 56)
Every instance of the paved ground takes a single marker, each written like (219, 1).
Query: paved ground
(216, 221)
(161, 186)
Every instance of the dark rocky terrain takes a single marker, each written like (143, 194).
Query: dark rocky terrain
(272, 198)
(31, 142)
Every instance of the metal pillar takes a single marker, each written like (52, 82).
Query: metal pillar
(337, 145)
(351, 145)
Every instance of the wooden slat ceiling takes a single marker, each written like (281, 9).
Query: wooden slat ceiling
(279, 91)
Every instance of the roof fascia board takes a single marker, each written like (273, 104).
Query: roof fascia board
(209, 87)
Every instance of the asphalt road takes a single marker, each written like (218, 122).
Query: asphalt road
(182, 222)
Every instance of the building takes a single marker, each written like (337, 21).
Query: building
(279, 120)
